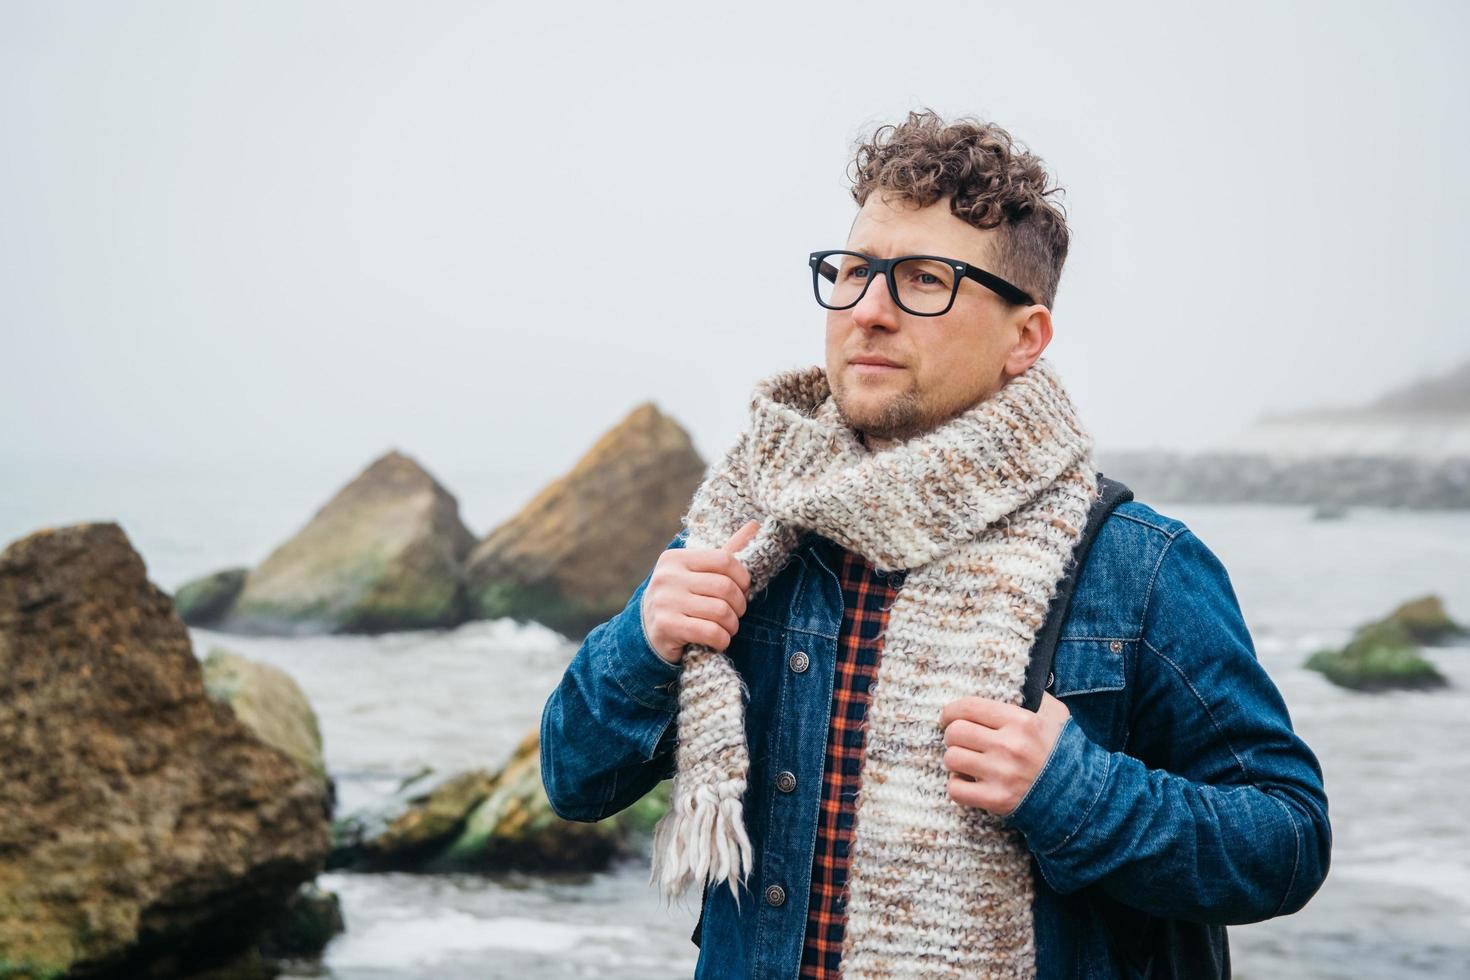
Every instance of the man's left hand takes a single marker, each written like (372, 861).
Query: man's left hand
(996, 750)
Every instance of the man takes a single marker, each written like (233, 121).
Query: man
(828, 657)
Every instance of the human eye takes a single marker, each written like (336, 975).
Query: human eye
(927, 275)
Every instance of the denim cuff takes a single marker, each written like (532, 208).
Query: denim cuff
(640, 672)
(1070, 782)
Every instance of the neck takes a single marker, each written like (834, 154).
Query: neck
(875, 443)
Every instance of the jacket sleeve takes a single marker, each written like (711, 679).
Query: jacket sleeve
(1228, 822)
(607, 729)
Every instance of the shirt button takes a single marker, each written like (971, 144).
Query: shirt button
(775, 895)
(799, 661)
(786, 781)
(1116, 646)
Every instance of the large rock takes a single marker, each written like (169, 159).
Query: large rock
(384, 554)
(270, 702)
(144, 829)
(574, 554)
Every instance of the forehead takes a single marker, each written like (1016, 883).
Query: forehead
(887, 226)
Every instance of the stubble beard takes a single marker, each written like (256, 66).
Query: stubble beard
(900, 416)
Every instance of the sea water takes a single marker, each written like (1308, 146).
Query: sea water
(1396, 902)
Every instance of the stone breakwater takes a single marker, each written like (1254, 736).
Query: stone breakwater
(1327, 481)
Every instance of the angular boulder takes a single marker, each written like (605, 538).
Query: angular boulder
(384, 554)
(144, 829)
(574, 554)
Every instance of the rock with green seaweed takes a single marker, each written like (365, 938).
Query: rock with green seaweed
(474, 821)
(412, 825)
(1380, 656)
(1426, 621)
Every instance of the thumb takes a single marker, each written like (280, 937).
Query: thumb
(742, 537)
(1053, 707)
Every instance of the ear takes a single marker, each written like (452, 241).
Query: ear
(1033, 333)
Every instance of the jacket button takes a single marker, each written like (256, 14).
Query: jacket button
(1116, 646)
(775, 895)
(786, 781)
(1050, 679)
(800, 661)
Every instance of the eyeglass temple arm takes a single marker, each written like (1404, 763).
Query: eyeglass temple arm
(991, 281)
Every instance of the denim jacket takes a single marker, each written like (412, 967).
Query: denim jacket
(1176, 800)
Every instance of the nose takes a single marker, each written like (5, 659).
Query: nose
(876, 308)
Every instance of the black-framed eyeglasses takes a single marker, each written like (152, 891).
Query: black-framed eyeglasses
(923, 285)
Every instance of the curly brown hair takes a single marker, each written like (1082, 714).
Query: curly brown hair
(991, 181)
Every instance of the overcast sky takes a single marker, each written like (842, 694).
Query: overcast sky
(476, 232)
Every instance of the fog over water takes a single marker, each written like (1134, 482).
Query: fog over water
(307, 233)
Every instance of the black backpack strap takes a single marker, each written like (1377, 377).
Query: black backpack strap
(1111, 493)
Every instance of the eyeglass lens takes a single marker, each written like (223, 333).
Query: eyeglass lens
(924, 285)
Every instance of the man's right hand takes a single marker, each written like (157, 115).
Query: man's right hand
(696, 595)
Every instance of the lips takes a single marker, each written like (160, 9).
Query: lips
(882, 361)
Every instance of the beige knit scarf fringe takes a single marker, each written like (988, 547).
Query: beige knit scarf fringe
(983, 512)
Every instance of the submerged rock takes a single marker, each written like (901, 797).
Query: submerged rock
(412, 825)
(515, 827)
(384, 554)
(574, 554)
(304, 927)
(205, 601)
(477, 822)
(1380, 656)
(144, 829)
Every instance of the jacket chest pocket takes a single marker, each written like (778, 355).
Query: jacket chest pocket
(1090, 674)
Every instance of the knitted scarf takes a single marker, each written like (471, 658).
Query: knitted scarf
(982, 511)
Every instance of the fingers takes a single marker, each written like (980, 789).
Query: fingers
(702, 631)
(1053, 708)
(742, 536)
(718, 587)
(968, 735)
(963, 762)
(716, 611)
(698, 595)
(717, 561)
(667, 614)
(984, 711)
